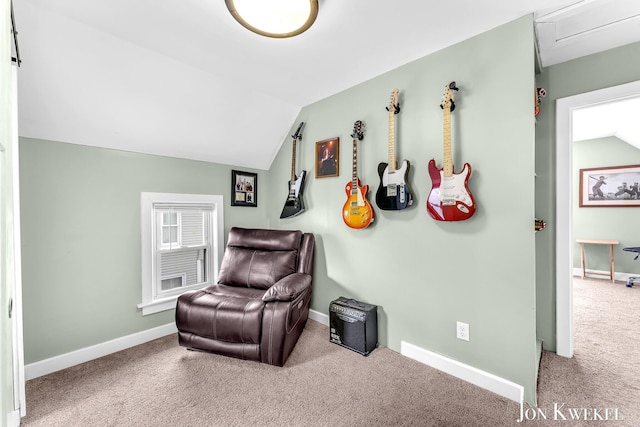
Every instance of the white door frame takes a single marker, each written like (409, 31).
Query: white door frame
(18, 341)
(564, 203)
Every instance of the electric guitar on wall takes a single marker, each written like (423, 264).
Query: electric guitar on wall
(450, 198)
(294, 204)
(357, 211)
(394, 192)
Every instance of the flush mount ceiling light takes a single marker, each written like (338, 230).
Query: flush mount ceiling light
(274, 18)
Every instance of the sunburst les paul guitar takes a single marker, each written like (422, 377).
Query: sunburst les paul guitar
(294, 204)
(393, 192)
(450, 198)
(357, 211)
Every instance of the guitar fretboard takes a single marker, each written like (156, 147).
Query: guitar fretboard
(293, 168)
(354, 178)
(295, 136)
(392, 138)
(447, 167)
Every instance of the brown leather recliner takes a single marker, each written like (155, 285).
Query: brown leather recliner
(260, 305)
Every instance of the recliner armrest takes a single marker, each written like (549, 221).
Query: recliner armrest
(288, 288)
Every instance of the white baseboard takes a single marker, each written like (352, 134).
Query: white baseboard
(13, 419)
(319, 317)
(57, 363)
(602, 274)
(472, 375)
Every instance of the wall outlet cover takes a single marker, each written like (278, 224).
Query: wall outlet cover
(462, 331)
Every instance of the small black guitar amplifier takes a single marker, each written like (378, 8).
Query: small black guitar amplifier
(354, 325)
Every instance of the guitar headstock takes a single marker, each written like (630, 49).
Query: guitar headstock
(358, 130)
(447, 99)
(298, 134)
(394, 103)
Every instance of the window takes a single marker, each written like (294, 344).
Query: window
(182, 240)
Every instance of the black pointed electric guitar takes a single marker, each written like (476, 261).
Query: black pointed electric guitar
(294, 204)
(393, 192)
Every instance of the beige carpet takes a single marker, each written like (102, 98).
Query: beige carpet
(605, 370)
(161, 384)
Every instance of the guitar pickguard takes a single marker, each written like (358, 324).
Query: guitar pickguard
(295, 188)
(453, 189)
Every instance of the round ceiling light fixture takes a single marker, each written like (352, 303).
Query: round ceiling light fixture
(274, 18)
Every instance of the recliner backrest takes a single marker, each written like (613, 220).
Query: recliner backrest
(259, 258)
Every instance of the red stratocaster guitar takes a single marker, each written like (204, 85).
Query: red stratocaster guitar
(357, 211)
(450, 198)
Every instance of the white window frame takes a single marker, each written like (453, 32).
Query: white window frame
(152, 303)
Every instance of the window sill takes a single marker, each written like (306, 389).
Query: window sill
(157, 306)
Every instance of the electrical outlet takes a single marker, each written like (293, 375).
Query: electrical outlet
(462, 331)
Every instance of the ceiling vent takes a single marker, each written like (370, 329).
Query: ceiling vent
(586, 27)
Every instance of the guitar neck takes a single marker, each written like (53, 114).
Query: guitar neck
(392, 140)
(447, 167)
(354, 178)
(293, 162)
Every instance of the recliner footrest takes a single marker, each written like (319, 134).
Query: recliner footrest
(220, 315)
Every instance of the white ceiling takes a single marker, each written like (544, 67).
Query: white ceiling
(184, 79)
(617, 118)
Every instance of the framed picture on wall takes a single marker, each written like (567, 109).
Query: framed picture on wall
(244, 188)
(613, 186)
(328, 158)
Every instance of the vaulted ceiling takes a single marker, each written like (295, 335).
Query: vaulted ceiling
(617, 118)
(184, 79)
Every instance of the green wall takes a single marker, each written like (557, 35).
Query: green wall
(610, 68)
(605, 223)
(81, 238)
(425, 275)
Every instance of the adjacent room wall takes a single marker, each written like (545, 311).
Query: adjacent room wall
(610, 68)
(425, 275)
(81, 238)
(605, 223)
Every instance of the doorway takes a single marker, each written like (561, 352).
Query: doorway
(564, 203)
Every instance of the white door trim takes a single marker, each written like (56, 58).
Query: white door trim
(564, 203)
(18, 342)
